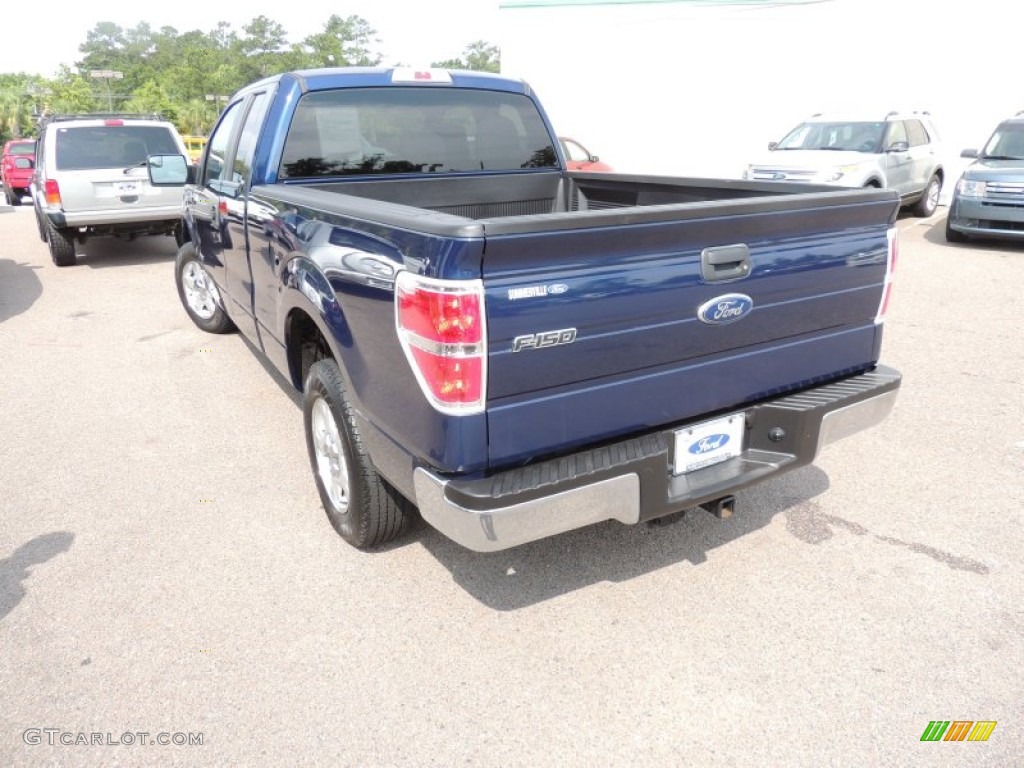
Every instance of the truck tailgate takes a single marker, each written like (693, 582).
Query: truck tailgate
(596, 332)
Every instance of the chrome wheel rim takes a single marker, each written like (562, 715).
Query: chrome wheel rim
(933, 195)
(199, 291)
(331, 466)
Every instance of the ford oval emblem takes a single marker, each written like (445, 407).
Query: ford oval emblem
(708, 443)
(725, 309)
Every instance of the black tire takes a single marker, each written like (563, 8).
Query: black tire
(952, 236)
(39, 225)
(13, 198)
(929, 201)
(61, 243)
(198, 293)
(364, 509)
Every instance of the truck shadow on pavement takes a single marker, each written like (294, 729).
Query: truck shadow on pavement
(535, 572)
(611, 552)
(18, 567)
(19, 288)
(104, 252)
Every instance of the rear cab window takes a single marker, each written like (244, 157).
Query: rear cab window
(361, 131)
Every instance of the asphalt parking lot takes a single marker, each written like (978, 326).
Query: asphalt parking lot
(166, 568)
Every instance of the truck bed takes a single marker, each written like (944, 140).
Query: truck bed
(539, 195)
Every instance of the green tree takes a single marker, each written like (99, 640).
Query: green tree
(16, 106)
(70, 92)
(344, 42)
(259, 49)
(480, 56)
(151, 97)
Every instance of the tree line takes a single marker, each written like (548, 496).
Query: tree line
(187, 76)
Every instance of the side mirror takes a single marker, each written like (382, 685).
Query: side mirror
(593, 159)
(969, 153)
(898, 146)
(772, 145)
(169, 170)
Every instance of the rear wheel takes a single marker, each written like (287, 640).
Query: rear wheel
(61, 242)
(363, 509)
(930, 199)
(198, 292)
(40, 226)
(12, 197)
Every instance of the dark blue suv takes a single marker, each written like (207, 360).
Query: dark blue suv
(989, 198)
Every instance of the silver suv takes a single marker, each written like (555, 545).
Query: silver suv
(901, 151)
(91, 180)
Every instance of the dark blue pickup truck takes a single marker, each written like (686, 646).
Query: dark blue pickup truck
(515, 349)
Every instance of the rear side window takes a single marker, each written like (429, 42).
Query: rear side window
(414, 130)
(897, 132)
(916, 133)
(83, 148)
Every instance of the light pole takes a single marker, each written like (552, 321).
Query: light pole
(217, 98)
(107, 75)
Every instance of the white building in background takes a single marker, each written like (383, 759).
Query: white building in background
(699, 87)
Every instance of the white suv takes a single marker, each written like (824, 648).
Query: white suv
(91, 179)
(900, 151)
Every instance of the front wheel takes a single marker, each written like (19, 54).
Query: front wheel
(364, 510)
(952, 236)
(930, 199)
(198, 292)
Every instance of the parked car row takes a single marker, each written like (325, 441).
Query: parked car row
(903, 151)
(897, 150)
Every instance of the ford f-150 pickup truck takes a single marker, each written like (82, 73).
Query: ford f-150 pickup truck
(515, 349)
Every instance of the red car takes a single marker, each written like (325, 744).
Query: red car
(579, 158)
(19, 158)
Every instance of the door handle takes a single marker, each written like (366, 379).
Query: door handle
(725, 262)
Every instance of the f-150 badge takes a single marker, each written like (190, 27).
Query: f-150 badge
(727, 308)
(544, 339)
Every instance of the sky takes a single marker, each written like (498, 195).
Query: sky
(413, 32)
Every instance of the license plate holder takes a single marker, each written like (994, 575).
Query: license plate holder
(710, 442)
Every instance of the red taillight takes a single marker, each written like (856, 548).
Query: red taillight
(449, 318)
(892, 237)
(113, 122)
(441, 327)
(52, 192)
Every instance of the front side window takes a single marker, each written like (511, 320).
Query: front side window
(414, 130)
(575, 151)
(83, 148)
(219, 144)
